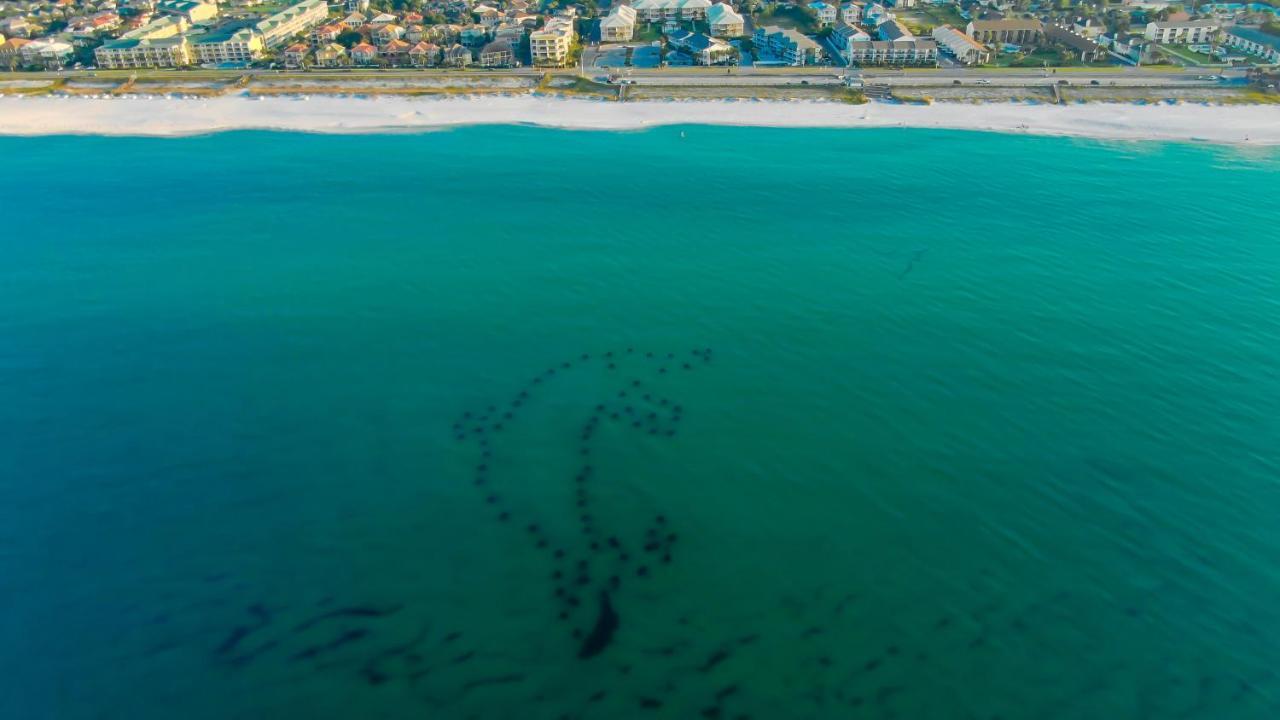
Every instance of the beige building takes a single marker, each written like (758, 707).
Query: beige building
(237, 46)
(331, 55)
(160, 43)
(651, 10)
(551, 44)
(724, 21)
(193, 10)
(619, 25)
(278, 28)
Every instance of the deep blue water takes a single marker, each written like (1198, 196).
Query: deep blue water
(973, 426)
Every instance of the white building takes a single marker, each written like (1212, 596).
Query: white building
(825, 12)
(238, 46)
(851, 13)
(1192, 32)
(724, 21)
(46, 52)
(651, 10)
(905, 51)
(282, 26)
(1255, 42)
(619, 25)
(960, 46)
(160, 43)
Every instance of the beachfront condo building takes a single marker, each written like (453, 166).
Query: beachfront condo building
(842, 39)
(230, 46)
(619, 25)
(963, 48)
(1191, 32)
(157, 44)
(786, 45)
(48, 53)
(723, 21)
(550, 45)
(912, 51)
(282, 26)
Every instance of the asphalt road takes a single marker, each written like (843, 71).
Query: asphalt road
(739, 76)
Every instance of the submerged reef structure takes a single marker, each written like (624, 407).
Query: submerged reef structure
(592, 562)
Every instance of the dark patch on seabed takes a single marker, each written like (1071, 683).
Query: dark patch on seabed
(594, 568)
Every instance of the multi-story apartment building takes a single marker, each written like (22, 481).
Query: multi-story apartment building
(787, 45)
(1191, 32)
(904, 51)
(282, 26)
(236, 46)
(963, 48)
(619, 25)
(650, 10)
(1015, 31)
(550, 45)
(1255, 41)
(160, 43)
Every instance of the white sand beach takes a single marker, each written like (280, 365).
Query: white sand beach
(166, 116)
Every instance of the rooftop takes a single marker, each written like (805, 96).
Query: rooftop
(1255, 35)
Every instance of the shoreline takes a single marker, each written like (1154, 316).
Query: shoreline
(158, 116)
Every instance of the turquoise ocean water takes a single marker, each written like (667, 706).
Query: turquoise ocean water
(972, 426)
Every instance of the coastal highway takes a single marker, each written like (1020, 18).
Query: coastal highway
(749, 76)
(737, 76)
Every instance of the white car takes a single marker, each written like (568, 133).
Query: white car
(984, 81)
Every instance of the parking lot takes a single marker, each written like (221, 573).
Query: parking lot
(614, 57)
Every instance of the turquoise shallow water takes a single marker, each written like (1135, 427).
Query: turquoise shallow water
(988, 426)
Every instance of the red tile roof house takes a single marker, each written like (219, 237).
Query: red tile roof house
(424, 54)
(396, 52)
(364, 54)
(295, 55)
(327, 33)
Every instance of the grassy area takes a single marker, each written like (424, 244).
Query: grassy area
(923, 20)
(851, 96)
(577, 86)
(1046, 57)
(788, 16)
(1187, 55)
(648, 32)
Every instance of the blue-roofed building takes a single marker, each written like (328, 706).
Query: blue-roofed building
(1255, 42)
